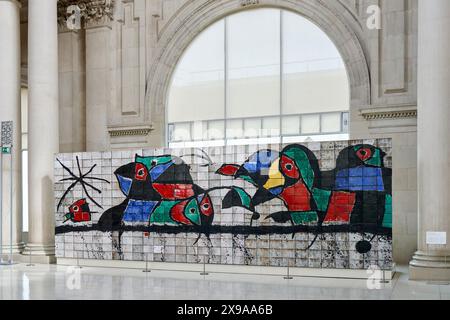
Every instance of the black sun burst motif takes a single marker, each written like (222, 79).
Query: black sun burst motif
(81, 179)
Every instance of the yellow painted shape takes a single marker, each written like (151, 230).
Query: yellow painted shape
(276, 178)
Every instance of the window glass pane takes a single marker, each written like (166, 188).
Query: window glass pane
(252, 128)
(181, 132)
(216, 130)
(270, 127)
(198, 88)
(235, 129)
(331, 122)
(310, 124)
(253, 63)
(291, 125)
(314, 76)
(199, 130)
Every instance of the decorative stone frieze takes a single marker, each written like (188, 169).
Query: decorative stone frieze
(92, 11)
(129, 131)
(389, 113)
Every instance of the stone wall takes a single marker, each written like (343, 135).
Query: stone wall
(317, 205)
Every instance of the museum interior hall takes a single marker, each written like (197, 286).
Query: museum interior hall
(224, 149)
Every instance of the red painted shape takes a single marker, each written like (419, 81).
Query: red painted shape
(206, 206)
(289, 168)
(297, 197)
(146, 234)
(177, 213)
(78, 214)
(141, 172)
(364, 154)
(82, 217)
(340, 207)
(228, 170)
(174, 191)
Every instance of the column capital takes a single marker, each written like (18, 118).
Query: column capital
(93, 12)
(17, 2)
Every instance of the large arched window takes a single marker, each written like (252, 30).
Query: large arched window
(258, 76)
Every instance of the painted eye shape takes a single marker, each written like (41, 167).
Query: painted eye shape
(364, 154)
(192, 210)
(76, 208)
(205, 206)
(154, 163)
(141, 172)
(288, 168)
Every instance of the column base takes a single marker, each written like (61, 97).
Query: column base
(429, 266)
(17, 248)
(39, 253)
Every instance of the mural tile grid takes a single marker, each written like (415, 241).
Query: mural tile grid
(89, 183)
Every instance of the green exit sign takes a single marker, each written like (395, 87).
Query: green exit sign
(6, 150)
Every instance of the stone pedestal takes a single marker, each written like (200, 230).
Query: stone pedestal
(432, 262)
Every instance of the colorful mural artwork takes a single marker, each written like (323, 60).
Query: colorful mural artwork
(326, 205)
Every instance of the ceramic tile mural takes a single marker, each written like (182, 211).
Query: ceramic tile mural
(316, 205)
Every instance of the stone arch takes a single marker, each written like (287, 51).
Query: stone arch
(196, 15)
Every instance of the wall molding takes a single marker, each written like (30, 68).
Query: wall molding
(389, 113)
(130, 131)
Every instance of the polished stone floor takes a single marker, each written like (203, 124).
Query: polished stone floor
(61, 282)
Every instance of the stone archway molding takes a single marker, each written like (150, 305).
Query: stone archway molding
(196, 15)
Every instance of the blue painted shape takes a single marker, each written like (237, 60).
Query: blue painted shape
(158, 170)
(360, 179)
(139, 211)
(125, 184)
(261, 160)
(276, 191)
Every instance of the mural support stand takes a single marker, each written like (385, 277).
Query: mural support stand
(288, 275)
(6, 149)
(78, 260)
(204, 273)
(384, 277)
(146, 270)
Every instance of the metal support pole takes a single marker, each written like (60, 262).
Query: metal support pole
(288, 275)
(204, 273)
(11, 207)
(146, 265)
(29, 263)
(1, 206)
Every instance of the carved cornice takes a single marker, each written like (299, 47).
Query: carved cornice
(129, 131)
(389, 113)
(92, 11)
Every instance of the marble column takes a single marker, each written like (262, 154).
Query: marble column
(10, 111)
(42, 126)
(432, 261)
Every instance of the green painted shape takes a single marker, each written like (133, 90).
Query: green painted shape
(147, 161)
(322, 198)
(376, 159)
(161, 214)
(245, 197)
(387, 220)
(192, 212)
(6, 150)
(248, 179)
(302, 161)
(301, 218)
